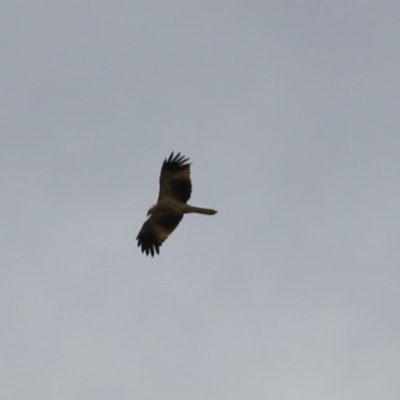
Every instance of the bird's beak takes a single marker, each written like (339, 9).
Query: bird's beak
(150, 210)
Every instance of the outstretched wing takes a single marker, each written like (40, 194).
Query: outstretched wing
(175, 178)
(155, 230)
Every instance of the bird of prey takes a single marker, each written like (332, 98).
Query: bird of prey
(165, 215)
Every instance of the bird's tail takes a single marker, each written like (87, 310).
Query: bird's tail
(201, 210)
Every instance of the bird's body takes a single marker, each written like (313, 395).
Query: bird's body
(165, 215)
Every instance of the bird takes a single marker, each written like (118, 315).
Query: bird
(167, 213)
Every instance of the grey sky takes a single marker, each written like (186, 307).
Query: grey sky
(289, 112)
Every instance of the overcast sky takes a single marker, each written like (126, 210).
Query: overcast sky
(289, 112)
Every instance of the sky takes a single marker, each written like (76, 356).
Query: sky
(289, 112)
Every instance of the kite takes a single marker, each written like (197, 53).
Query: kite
(165, 215)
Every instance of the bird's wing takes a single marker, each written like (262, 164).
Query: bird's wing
(155, 230)
(175, 178)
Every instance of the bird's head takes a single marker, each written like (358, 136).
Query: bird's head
(151, 210)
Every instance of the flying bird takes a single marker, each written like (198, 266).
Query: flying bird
(165, 215)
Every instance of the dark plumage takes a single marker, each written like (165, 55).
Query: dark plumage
(175, 178)
(165, 215)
